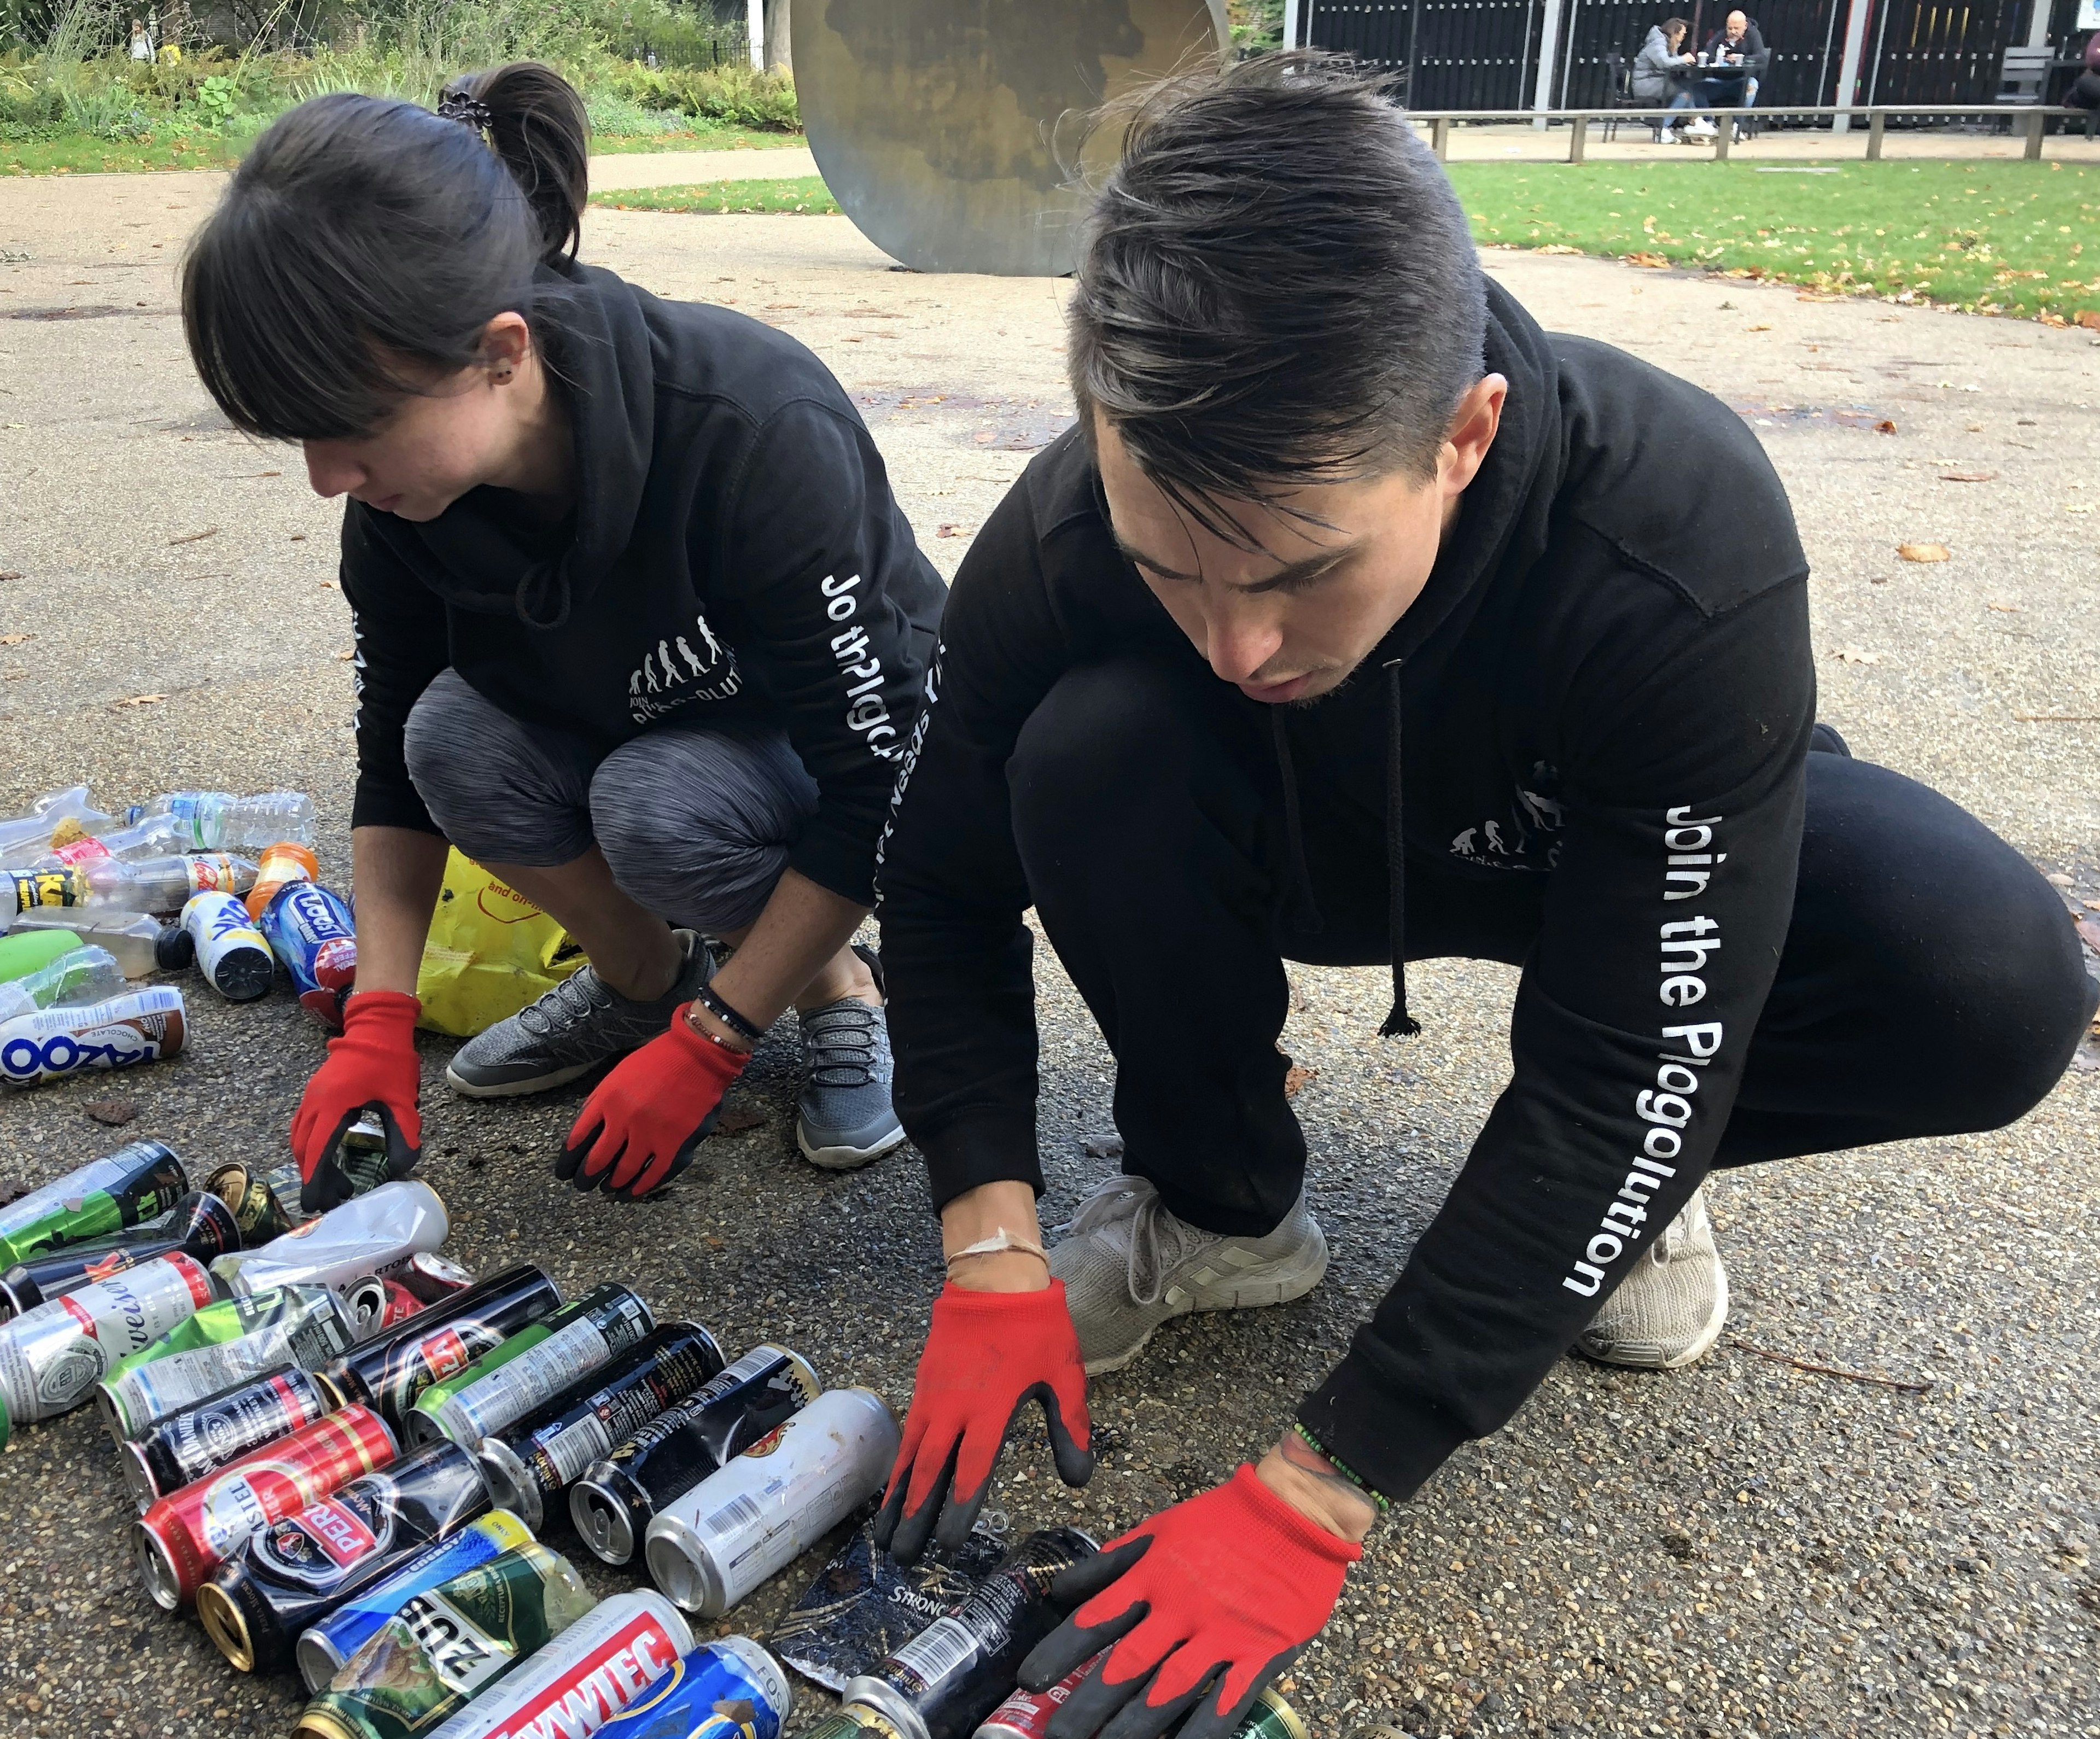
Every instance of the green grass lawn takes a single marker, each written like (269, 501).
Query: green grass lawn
(790, 193)
(1991, 238)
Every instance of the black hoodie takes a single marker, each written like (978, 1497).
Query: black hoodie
(1604, 689)
(734, 557)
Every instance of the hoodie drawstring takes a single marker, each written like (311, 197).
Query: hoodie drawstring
(1399, 1023)
(1302, 911)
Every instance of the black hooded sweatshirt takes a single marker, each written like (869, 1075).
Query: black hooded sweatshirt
(1604, 688)
(734, 557)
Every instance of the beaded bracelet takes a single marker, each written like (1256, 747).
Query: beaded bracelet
(1378, 1498)
(707, 997)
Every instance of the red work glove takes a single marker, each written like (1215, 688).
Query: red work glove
(1212, 1599)
(988, 1355)
(639, 1129)
(372, 1066)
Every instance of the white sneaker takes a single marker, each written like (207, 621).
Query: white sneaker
(1700, 130)
(1129, 1265)
(1669, 1312)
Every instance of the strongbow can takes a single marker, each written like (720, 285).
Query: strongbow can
(730, 1688)
(371, 1234)
(712, 1547)
(1026, 1714)
(141, 1026)
(529, 1466)
(530, 1367)
(199, 1225)
(230, 951)
(294, 1570)
(954, 1673)
(617, 1498)
(202, 1439)
(326, 1643)
(223, 1345)
(51, 1357)
(605, 1661)
(388, 1373)
(182, 1538)
(137, 1183)
(450, 1644)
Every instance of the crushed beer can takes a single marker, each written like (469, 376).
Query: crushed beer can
(431, 1276)
(369, 1236)
(390, 1371)
(530, 1367)
(186, 1446)
(265, 1200)
(138, 1183)
(729, 1689)
(199, 1225)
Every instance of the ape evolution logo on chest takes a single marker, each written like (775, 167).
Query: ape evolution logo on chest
(680, 669)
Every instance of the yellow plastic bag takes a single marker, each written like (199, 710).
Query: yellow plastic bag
(491, 951)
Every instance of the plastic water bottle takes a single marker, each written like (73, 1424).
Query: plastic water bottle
(220, 821)
(24, 839)
(156, 837)
(128, 936)
(80, 975)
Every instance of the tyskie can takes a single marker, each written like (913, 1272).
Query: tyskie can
(265, 1203)
(614, 1501)
(1026, 1714)
(138, 1027)
(529, 1465)
(530, 1367)
(329, 1641)
(388, 1372)
(203, 1438)
(199, 1225)
(954, 1673)
(729, 1689)
(373, 1234)
(139, 1182)
(312, 932)
(448, 1645)
(230, 952)
(431, 1276)
(223, 1344)
(295, 1570)
(606, 1660)
(182, 1538)
(710, 1547)
(51, 1357)
(864, 1604)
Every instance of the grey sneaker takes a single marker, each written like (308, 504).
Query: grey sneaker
(1129, 1265)
(1669, 1312)
(581, 1022)
(843, 1114)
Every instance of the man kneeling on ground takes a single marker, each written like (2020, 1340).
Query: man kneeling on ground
(1357, 623)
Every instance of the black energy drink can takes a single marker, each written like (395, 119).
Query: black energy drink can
(616, 1500)
(388, 1372)
(199, 1225)
(530, 1465)
(954, 1673)
(181, 1450)
(294, 1570)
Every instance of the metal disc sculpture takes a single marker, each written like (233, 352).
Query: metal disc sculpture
(942, 127)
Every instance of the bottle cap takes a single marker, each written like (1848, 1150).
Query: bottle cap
(173, 948)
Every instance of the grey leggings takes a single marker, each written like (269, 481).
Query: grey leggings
(696, 823)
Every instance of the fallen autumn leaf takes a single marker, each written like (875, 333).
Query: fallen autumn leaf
(1924, 552)
(140, 700)
(1886, 425)
(195, 538)
(112, 1112)
(15, 639)
(1851, 655)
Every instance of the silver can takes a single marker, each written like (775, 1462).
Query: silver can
(52, 1357)
(374, 1234)
(712, 1547)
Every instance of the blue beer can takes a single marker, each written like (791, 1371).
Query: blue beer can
(730, 1688)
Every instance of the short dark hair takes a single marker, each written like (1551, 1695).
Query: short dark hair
(1276, 285)
(365, 244)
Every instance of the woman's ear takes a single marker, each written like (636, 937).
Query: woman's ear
(506, 343)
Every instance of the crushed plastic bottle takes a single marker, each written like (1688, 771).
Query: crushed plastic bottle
(221, 820)
(155, 836)
(128, 935)
(24, 839)
(78, 975)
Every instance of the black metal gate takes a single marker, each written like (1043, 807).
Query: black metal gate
(1940, 51)
(1806, 38)
(1448, 53)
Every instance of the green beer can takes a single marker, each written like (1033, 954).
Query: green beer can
(446, 1646)
(139, 1182)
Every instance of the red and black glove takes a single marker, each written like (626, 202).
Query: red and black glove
(640, 1128)
(988, 1355)
(372, 1066)
(1211, 1600)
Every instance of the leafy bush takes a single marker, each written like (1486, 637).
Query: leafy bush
(735, 91)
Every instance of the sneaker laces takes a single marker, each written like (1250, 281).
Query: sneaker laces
(1157, 1241)
(839, 1041)
(571, 1003)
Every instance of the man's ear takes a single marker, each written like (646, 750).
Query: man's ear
(1473, 427)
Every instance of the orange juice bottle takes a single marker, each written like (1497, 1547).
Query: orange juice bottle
(285, 861)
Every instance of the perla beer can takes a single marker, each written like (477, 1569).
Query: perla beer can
(329, 1641)
(374, 1234)
(182, 1538)
(617, 1498)
(390, 1371)
(141, 1026)
(199, 1225)
(450, 1644)
(51, 1357)
(294, 1570)
(200, 1440)
(730, 1688)
(139, 1182)
(1026, 1714)
(954, 1673)
(604, 1661)
(223, 1344)
(230, 952)
(529, 1465)
(712, 1546)
(530, 1367)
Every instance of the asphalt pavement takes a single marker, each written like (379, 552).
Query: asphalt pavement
(1874, 1508)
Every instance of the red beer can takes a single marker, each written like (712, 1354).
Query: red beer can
(182, 1538)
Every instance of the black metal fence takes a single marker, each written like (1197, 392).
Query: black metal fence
(1446, 53)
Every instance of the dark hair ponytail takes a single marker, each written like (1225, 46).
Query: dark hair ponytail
(364, 245)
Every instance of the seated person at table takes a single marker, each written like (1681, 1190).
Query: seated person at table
(1660, 72)
(1738, 42)
(2084, 91)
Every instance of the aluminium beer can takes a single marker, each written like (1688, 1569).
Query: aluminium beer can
(1026, 1713)
(390, 1371)
(374, 1234)
(199, 1225)
(202, 1439)
(712, 1546)
(431, 1276)
(530, 1367)
(265, 1200)
(182, 1538)
(138, 1183)
(51, 1357)
(616, 1500)
(729, 1689)
(230, 952)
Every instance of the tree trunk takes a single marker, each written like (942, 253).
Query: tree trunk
(778, 56)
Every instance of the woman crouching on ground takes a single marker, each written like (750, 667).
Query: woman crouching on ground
(640, 628)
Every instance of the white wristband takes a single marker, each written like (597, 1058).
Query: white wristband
(1002, 1240)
